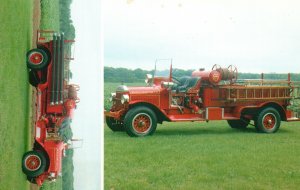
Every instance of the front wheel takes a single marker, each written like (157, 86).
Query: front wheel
(140, 121)
(114, 125)
(268, 120)
(33, 163)
(37, 59)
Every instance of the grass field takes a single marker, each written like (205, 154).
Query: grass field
(203, 156)
(50, 15)
(15, 35)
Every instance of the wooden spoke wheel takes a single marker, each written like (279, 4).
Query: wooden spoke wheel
(268, 120)
(37, 59)
(140, 121)
(33, 163)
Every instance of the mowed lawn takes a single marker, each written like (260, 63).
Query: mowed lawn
(200, 155)
(15, 35)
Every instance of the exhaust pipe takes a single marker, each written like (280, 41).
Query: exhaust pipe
(56, 77)
(62, 68)
(52, 102)
(57, 86)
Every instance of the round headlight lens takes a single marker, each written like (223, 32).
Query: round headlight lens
(112, 96)
(124, 98)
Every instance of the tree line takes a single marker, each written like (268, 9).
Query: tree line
(65, 21)
(138, 75)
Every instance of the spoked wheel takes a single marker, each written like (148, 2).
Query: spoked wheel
(239, 124)
(268, 121)
(113, 124)
(140, 121)
(37, 59)
(33, 163)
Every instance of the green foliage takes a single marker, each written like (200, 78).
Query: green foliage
(138, 75)
(124, 75)
(65, 21)
(57, 185)
(203, 155)
(67, 171)
(16, 38)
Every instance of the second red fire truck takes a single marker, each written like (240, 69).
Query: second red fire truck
(204, 96)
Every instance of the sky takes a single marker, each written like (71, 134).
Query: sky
(87, 123)
(255, 36)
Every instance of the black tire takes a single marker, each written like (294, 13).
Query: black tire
(114, 125)
(239, 123)
(37, 59)
(268, 120)
(140, 121)
(34, 79)
(31, 180)
(33, 163)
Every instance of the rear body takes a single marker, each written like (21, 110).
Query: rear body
(56, 99)
(204, 96)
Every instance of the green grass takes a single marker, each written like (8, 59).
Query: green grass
(57, 185)
(49, 15)
(15, 35)
(203, 156)
(200, 155)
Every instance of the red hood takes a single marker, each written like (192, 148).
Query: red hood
(144, 90)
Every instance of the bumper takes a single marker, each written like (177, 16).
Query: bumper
(116, 115)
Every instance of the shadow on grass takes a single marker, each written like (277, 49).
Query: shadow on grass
(188, 131)
(209, 131)
(201, 131)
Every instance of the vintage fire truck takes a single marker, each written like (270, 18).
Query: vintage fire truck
(56, 99)
(205, 95)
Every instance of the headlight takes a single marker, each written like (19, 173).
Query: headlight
(124, 98)
(149, 79)
(112, 96)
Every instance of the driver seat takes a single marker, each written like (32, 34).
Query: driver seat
(189, 83)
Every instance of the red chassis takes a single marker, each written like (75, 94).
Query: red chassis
(48, 66)
(204, 96)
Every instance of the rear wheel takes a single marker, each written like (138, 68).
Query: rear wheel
(34, 79)
(33, 163)
(113, 124)
(239, 123)
(268, 120)
(140, 121)
(37, 59)
(31, 179)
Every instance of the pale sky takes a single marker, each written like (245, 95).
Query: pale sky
(87, 72)
(254, 35)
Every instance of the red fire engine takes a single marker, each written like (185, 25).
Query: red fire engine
(204, 96)
(56, 99)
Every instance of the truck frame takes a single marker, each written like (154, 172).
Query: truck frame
(204, 96)
(56, 99)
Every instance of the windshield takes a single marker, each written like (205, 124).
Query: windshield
(162, 67)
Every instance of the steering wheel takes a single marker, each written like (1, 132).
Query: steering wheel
(234, 73)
